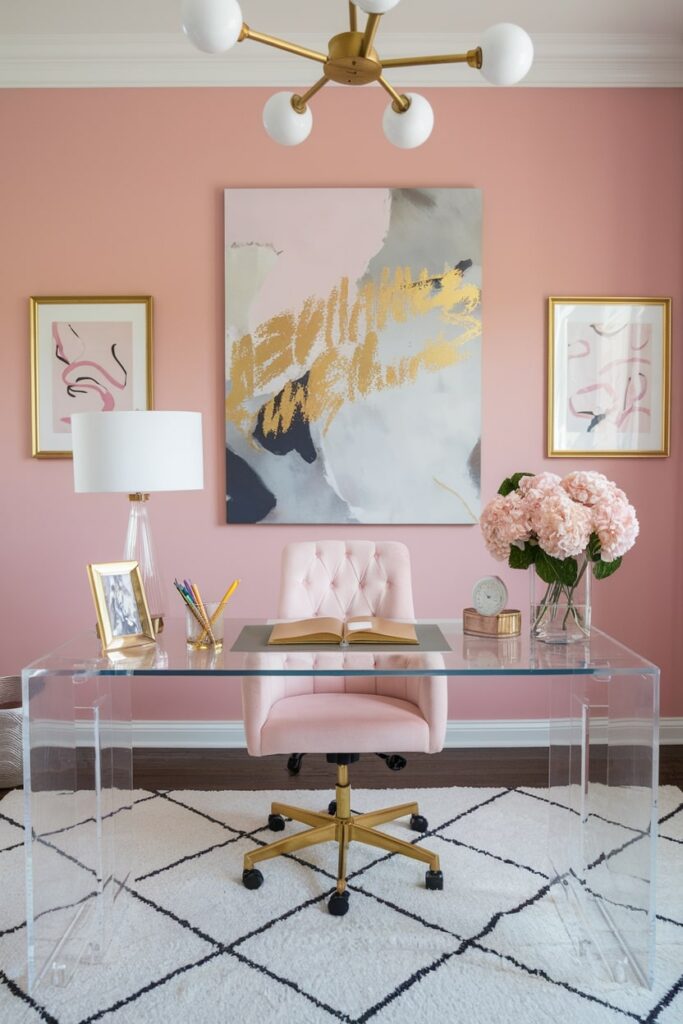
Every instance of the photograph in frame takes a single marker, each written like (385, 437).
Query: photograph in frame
(87, 355)
(609, 377)
(123, 617)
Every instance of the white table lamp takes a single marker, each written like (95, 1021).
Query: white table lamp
(136, 453)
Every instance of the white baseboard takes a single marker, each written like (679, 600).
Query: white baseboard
(519, 732)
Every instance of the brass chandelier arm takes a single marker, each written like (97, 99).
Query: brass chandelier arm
(353, 16)
(281, 44)
(472, 57)
(401, 103)
(371, 27)
(299, 102)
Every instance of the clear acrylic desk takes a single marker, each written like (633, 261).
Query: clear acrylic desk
(602, 773)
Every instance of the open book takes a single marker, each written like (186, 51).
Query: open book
(361, 629)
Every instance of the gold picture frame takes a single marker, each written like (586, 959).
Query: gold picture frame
(123, 617)
(609, 377)
(87, 353)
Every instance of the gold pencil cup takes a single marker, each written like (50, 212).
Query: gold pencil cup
(196, 637)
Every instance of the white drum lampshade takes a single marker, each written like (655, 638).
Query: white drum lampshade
(136, 453)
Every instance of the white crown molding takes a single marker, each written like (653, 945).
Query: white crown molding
(519, 732)
(132, 60)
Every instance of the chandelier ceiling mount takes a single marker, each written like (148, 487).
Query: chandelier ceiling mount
(504, 58)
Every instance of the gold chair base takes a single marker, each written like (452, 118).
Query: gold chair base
(342, 828)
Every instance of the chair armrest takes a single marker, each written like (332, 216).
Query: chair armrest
(259, 693)
(431, 696)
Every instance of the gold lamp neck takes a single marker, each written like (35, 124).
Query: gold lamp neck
(138, 496)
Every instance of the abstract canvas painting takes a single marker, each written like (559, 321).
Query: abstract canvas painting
(353, 355)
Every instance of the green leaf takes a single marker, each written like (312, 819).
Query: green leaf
(516, 477)
(601, 570)
(594, 548)
(511, 483)
(522, 558)
(556, 570)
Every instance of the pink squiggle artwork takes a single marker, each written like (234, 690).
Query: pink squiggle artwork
(91, 368)
(576, 404)
(634, 360)
(631, 398)
(585, 349)
(607, 382)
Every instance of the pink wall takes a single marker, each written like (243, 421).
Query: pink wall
(120, 192)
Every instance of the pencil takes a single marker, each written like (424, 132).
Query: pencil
(207, 621)
(190, 604)
(224, 600)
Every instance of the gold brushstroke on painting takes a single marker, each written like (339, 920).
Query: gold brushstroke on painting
(347, 366)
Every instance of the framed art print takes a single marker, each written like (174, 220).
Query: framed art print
(123, 617)
(609, 377)
(353, 355)
(87, 354)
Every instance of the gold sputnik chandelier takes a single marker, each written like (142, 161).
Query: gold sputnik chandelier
(214, 26)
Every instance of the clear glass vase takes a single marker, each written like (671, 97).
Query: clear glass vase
(561, 614)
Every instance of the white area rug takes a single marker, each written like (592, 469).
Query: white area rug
(196, 946)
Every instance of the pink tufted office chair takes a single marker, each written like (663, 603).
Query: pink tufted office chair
(353, 714)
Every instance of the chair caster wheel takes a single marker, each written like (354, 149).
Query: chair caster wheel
(338, 903)
(252, 878)
(276, 823)
(418, 823)
(434, 879)
(294, 763)
(332, 807)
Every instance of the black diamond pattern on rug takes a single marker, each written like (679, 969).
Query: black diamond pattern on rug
(194, 944)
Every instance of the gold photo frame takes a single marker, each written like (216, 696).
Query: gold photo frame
(123, 617)
(609, 377)
(87, 354)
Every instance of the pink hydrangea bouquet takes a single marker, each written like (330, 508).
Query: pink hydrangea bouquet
(560, 527)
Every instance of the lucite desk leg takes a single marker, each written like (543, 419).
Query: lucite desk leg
(602, 837)
(77, 794)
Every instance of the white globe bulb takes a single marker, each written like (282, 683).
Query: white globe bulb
(376, 6)
(212, 25)
(412, 127)
(283, 123)
(507, 54)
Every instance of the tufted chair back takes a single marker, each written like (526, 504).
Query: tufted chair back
(342, 579)
(345, 578)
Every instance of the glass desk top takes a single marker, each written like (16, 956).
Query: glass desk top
(466, 656)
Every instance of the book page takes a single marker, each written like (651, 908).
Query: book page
(379, 631)
(322, 630)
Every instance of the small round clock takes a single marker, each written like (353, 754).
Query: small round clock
(489, 595)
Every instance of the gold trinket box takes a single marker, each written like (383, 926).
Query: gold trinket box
(505, 623)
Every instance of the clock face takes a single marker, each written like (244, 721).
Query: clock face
(489, 595)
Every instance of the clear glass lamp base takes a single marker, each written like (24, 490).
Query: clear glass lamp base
(139, 548)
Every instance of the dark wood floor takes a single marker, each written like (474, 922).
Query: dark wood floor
(235, 769)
